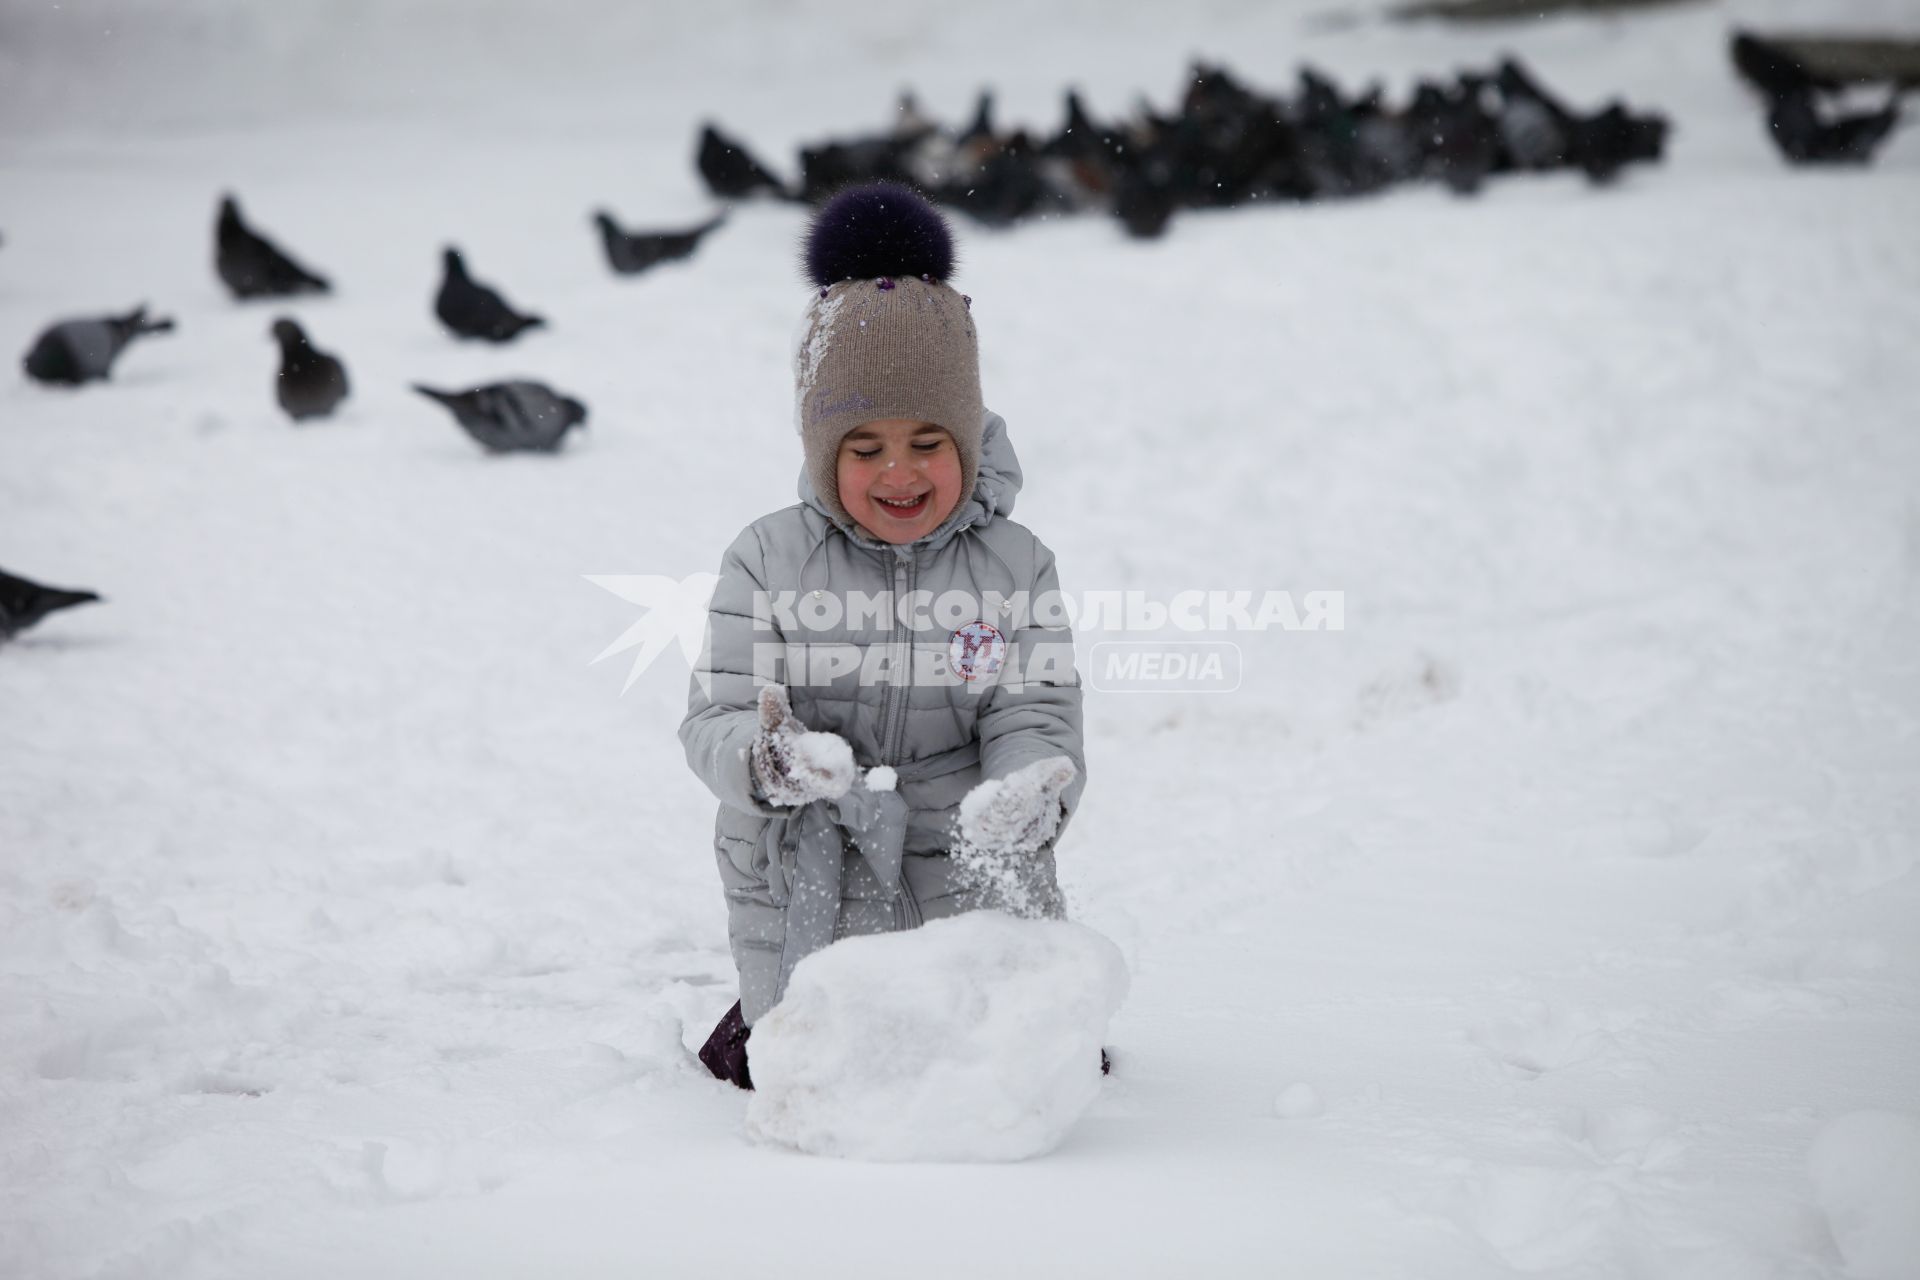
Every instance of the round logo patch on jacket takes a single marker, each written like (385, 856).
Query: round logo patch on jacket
(977, 650)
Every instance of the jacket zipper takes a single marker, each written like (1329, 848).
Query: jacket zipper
(902, 646)
(906, 664)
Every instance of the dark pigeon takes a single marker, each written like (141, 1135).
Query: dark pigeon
(1144, 200)
(834, 165)
(630, 253)
(1540, 132)
(311, 382)
(472, 310)
(512, 417)
(1804, 138)
(1013, 181)
(729, 168)
(252, 265)
(980, 134)
(76, 351)
(1459, 143)
(1773, 70)
(1535, 127)
(1611, 139)
(23, 603)
(1081, 139)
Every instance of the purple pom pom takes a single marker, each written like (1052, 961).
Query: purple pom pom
(874, 230)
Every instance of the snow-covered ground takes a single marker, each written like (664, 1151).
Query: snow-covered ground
(1548, 920)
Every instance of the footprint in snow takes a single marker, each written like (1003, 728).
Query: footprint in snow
(1542, 1037)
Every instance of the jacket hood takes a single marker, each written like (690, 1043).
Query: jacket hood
(994, 490)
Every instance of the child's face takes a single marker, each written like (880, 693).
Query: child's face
(899, 478)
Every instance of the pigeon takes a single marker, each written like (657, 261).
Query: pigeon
(913, 121)
(1080, 139)
(472, 310)
(512, 417)
(1534, 126)
(311, 383)
(827, 168)
(252, 265)
(1614, 137)
(979, 134)
(730, 169)
(23, 603)
(630, 253)
(1459, 142)
(1774, 70)
(1804, 138)
(76, 351)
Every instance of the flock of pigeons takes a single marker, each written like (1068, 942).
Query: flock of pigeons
(1228, 144)
(503, 417)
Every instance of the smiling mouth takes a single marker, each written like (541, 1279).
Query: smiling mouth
(903, 508)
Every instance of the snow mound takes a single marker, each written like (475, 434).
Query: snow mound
(974, 1038)
(1866, 1178)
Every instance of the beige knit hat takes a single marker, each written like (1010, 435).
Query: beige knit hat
(884, 336)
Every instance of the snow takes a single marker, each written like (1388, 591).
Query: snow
(352, 922)
(1297, 1101)
(975, 1038)
(1866, 1179)
(826, 759)
(813, 333)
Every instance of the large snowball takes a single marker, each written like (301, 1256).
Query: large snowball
(973, 1038)
(1866, 1177)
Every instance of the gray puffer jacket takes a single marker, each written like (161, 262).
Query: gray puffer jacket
(945, 696)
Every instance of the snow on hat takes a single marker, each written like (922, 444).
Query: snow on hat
(884, 336)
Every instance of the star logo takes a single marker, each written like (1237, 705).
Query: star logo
(676, 610)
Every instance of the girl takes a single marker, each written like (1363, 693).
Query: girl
(888, 676)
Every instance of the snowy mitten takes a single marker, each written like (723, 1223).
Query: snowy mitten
(1020, 812)
(792, 765)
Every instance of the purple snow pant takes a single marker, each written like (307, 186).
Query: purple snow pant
(725, 1052)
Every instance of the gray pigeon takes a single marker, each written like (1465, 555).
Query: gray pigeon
(23, 603)
(76, 351)
(311, 383)
(630, 253)
(512, 417)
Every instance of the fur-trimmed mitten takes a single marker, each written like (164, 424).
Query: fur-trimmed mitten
(791, 764)
(1017, 813)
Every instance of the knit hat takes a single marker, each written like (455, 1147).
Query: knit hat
(884, 336)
